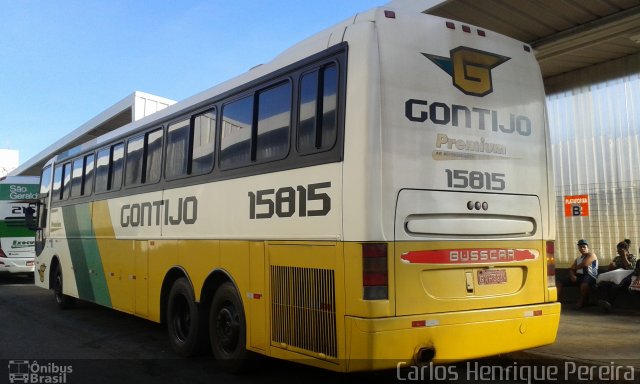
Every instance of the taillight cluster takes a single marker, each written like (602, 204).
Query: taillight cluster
(375, 273)
(551, 264)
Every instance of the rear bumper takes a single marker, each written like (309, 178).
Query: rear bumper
(384, 343)
(16, 265)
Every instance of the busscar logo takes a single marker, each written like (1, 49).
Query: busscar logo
(469, 68)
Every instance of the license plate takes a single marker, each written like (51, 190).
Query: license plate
(492, 276)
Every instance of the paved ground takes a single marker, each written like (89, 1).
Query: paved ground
(590, 335)
(106, 346)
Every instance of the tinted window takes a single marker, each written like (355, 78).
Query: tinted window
(45, 180)
(135, 147)
(76, 178)
(235, 146)
(329, 107)
(204, 126)
(57, 183)
(66, 181)
(274, 117)
(88, 175)
(317, 121)
(117, 162)
(102, 170)
(153, 160)
(177, 149)
(307, 110)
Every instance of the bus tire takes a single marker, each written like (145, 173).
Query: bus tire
(184, 324)
(227, 329)
(63, 301)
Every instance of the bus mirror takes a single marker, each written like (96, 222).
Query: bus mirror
(29, 218)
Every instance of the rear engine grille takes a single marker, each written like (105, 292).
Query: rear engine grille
(303, 309)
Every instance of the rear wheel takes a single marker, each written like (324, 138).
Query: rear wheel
(227, 329)
(63, 301)
(186, 328)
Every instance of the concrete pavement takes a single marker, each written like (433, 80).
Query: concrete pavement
(589, 336)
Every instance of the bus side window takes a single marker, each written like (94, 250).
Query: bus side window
(133, 172)
(66, 181)
(87, 182)
(317, 117)
(274, 120)
(76, 177)
(235, 146)
(117, 163)
(153, 156)
(177, 149)
(204, 126)
(102, 170)
(57, 183)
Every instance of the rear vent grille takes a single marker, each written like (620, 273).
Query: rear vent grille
(303, 309)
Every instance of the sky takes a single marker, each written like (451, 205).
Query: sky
(64, 62)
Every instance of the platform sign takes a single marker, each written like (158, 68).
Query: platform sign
(576, 205)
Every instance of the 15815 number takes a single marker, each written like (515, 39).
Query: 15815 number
(459, 178)
(287, 201)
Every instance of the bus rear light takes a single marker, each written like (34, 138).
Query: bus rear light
(450, 25)
(375, 273)
(389, 14)
(466, 28)
(2, 254)
(481, 33)
(551, 264)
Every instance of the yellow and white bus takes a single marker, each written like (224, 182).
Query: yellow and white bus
(378, 193)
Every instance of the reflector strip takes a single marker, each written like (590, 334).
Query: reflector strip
(424, 323)
(537, 312)
(467, 256)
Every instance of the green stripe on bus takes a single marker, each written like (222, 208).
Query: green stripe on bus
(87, 264)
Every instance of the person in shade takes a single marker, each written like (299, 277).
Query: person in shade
(622, 266)
(583, 273)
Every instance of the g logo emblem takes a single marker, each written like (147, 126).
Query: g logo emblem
(470, 69)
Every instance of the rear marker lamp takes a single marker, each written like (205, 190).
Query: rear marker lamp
(375, 274)
(450, 25)
(389, 14)
(551, 264)
(466, 28)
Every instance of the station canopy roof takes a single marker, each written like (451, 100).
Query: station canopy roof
(567, 35)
